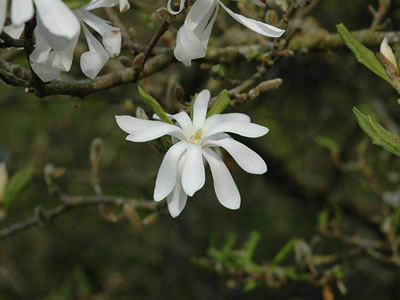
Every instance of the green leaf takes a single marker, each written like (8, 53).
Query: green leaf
(362, 53)
(327, 143)
(16, 185)
(222, 101)
(154, 105)
(323, 219)
(73, 4)
(284, 252)
(251, 244)
(379, 135)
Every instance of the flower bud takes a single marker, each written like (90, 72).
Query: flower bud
(387, 51)
(3, 179)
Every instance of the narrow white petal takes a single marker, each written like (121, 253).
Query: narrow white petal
(246, 158)
(146, 135)
(3, 13)
(112, 41)
(225, 188)
(45, 73)
(193, 176)
(100, 3)
(131, 124)
(60, 23)
(256, 26)
(177, 199)
(21, 11)
(250, 130)
(200, 109)
(14, 30)
(94, 60)
(124, 6)
(167, 174)
(181, 7)
(219, 118)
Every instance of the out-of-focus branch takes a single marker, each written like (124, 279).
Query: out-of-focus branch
(69, 203)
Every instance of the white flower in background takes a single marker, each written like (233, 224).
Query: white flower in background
(193, 36)
(182, 173)
(47, 62)
(387, 52)
(59, 23)
(123, 4)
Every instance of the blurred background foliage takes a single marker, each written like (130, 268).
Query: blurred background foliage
(81, 255)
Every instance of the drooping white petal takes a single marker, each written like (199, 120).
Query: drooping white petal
(246, 158)
(177, 199)
(59, 22)
(167, 174)
(21, 11)
(193, 36)
(193, 176)
(14, 30)
(111, 36)
(45, 73)
(100, 3)
(250, 130)
(62, 59)
(256, 26)
(225, 188)
(124, 6)
(181, 7)
(94, 60)
(200, 109)
(3, 13)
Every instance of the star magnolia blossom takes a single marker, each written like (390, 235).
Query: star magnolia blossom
(59, 24)
(182, 173)
(47, 62)
(193, 36)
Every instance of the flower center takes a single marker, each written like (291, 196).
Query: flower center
(194, 139)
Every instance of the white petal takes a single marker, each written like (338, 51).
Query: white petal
(193, 176)
(112, 41)
(256, 26)
(100, 3)
(387, 51)
(124, 6)
(60, 23)
(250, 130)
(193, 36)
(225, 188)
(219, 118)
(45, 73)
(166, 177)
(181, 7)
(3, 13)
(131, 124)
(62, 59)
(94, 60)
(14, 30)
(177, 199)
(246, 158)
(21, 11)
(147, 135)
(200, 109)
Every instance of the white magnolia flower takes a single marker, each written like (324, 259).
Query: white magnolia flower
(193, 36)
(182, 173)
(47, 62)
(59, 24)
(387, 51)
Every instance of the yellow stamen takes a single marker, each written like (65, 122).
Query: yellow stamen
(194, 139)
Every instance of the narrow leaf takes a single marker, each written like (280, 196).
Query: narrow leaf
(16, 185)
(379, 135)
(154, 105)
(362, 53)
(283, 254)
(222, 101)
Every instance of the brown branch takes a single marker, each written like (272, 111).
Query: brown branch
(71, 202)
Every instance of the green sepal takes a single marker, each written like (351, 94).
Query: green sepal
(154, 105)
